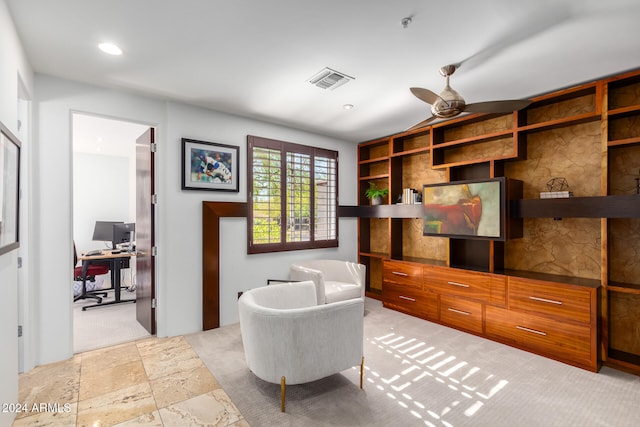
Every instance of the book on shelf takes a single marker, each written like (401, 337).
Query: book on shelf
(555, 194)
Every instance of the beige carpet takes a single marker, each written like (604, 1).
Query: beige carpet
(101, 327)
(423, 374)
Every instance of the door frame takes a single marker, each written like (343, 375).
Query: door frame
(155, 206)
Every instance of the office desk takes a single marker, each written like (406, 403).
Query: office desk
(116, 263)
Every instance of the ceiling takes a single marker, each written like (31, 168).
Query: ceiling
(254, 58)
(105, 136)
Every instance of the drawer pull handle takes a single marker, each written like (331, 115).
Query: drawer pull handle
(397, 273)
(407, 298)
(550, 301)
(466, 313)
(533, 331)
(462, 285)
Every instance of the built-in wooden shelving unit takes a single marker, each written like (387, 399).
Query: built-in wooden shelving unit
(589, 134)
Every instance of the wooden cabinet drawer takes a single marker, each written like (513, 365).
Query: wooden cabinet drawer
(463, 314)
(551, 299)
(402, 273)
(568, 342)
(407, 299)
(483, 287)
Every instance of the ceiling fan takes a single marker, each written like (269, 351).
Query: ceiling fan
(449, 103)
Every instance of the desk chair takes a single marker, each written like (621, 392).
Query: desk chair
(93, 270)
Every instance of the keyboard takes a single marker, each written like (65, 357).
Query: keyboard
(94, 252)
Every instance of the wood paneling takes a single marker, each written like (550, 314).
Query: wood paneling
(624, 321)
(211, 214)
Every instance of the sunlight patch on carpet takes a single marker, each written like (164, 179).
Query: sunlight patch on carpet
(468, 387)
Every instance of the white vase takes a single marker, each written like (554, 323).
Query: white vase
(376, 200)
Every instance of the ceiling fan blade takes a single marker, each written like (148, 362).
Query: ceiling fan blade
(423, 123)
(496, 106)
(533, 23)
(425, 95)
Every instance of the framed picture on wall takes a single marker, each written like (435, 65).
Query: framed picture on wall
(9, 190)
(209, 166)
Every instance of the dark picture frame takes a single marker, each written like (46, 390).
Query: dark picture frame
(9, 191)
(209, 166)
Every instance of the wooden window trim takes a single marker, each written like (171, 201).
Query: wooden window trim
(284, 147)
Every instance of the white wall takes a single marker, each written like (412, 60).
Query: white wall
(101, 192)
(55, 101)
(179, 237)
(239, 271)
(179, 214)
(13, 67)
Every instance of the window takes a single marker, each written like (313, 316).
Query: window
(293, 196)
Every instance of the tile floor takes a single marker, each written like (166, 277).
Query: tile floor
(151, 382)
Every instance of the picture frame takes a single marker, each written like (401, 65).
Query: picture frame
(209, 166)
(471, 209)
(9, 190)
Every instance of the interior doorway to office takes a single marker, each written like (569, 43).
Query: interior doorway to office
(104, 189)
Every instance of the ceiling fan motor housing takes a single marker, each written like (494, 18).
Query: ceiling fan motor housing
(450, 104)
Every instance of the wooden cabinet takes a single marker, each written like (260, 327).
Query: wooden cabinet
(564, 341)
(410, 301)
(550, 318)
(553, 319)
(588, 134)
(556, 300)
(403, 290)
(461, 313)
(406, 274)
(482, 287)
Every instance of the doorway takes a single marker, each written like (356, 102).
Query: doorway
(104, 189)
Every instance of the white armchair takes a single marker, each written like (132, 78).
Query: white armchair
(289, 339)
(335, 280)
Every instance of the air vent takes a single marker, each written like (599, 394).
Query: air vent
(329, 79)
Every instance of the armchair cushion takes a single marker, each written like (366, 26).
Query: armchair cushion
(335, 280)
(339, 291)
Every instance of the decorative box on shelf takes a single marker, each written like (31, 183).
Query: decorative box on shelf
(555, 194)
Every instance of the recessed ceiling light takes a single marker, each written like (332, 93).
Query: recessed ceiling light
(347, 106)
(110, 48)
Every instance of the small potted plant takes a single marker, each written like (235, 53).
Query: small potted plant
(375, 194)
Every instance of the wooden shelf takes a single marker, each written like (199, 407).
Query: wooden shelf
(382, 211)
(474, 161)
(474, 139)
(628, 360)
(627, 288)
(623, 142)
(374, 142)
(632, 109)
(567, 99)
(377, 159)
(621, 206)
(558, 123)
(410, 152)
(379, 255)
(380, 176)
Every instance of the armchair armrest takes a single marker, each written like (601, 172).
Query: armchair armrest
(299, 273)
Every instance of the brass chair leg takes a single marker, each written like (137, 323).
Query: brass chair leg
(361, 372)
(283, 388)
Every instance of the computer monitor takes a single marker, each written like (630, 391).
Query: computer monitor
(123, 233)
(103, 230)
